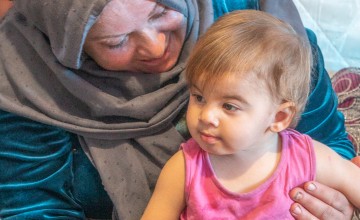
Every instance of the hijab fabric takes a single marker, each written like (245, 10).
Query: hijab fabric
(124, 121)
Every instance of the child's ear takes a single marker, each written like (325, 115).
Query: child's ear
(283, 117)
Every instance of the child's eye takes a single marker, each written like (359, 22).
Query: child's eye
(230, 107)
(198, 98)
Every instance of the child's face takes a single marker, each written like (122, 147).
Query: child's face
(232, 116)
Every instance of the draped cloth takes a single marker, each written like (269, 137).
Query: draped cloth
(124, 120)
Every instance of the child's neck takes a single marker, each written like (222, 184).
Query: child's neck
(245, 171)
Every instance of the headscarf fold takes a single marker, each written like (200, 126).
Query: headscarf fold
(124, 121)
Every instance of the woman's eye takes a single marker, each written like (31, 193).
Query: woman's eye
(230, 107)
(160, 14)
(116, 45)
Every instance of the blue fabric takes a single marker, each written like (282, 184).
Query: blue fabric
(225, 6)
(321, 120)
(36, 175)
(88, 189)
(43, 177)
(44, 174)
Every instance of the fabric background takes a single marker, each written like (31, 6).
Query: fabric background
(346, 83)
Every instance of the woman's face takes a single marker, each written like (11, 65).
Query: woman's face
(136, 35)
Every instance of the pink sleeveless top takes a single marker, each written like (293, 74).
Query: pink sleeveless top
(206, 198)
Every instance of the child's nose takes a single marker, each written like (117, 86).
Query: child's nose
(209, 116)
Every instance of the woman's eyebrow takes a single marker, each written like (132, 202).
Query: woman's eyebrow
(152, 12)
(106, 36)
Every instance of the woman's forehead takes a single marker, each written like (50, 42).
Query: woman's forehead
(122, 14)
(128, 8)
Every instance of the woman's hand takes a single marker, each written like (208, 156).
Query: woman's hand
(317, 201)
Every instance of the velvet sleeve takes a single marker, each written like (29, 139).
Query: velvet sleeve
(35, 171)
(321, 118)
(222, 7)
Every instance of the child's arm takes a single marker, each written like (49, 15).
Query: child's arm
(338, 173)
(168, 199)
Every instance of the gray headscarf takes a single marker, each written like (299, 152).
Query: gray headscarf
(123, 120)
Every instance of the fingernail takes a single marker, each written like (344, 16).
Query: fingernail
(297, 210)
(311, 187)
(298, 196)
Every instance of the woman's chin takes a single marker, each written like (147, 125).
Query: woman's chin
(156, 69)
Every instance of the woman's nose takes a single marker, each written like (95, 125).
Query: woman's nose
(152, 44)
(209, 116)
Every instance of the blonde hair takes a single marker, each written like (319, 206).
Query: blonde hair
(254, 42)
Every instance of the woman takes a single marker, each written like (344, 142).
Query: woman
(103, 77)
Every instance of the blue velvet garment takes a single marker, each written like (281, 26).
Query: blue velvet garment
(36, 176)
(225, 6)
(44, 174)
(321, 119)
